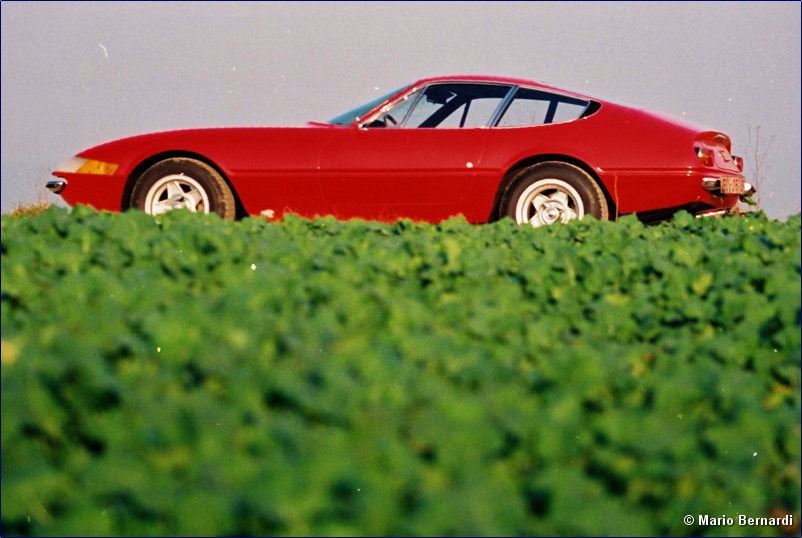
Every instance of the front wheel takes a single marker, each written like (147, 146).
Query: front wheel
(551, 192)
(183, 183)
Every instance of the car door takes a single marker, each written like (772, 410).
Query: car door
(416, 160)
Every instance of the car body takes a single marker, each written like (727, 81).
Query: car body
(483, 147)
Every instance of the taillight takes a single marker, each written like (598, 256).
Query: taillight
(739, 162)
(706, 155)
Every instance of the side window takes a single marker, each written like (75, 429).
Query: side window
(525, 110)
(569, 111)
(480, 111)
(536, 107)
(436, 99)
(453, 106)
(474, 113)
(396, 116)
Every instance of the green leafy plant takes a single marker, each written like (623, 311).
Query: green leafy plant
(186, 375)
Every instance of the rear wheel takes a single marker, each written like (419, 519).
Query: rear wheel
(551, 192)
(183, 183)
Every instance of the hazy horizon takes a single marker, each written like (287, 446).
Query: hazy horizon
(78, 74)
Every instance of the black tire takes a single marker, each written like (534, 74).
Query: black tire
(550, 192)
(181, 182)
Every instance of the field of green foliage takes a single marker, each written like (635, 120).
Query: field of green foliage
(190, 376)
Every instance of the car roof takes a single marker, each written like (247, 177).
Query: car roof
(489, 79)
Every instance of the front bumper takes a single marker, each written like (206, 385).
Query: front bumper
(99, 191)
(56, 185)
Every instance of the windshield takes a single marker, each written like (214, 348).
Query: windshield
(348, 117)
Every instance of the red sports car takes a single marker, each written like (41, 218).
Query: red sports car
(483, 147)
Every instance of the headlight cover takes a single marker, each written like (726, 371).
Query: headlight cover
(79, 165)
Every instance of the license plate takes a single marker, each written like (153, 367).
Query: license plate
(733, 185)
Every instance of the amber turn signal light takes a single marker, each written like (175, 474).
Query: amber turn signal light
(705, 155)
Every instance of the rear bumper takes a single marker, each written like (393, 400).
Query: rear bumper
(638, 191)
(697, 209)
(718, 185)
(715, 213)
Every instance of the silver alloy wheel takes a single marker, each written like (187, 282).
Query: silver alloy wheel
(548, 201)
(174, 192)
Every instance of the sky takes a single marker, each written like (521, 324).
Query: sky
(77, 74)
